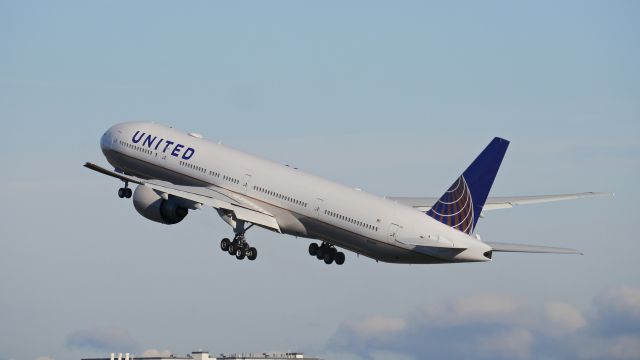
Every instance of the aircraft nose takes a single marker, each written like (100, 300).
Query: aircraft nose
(105, 140)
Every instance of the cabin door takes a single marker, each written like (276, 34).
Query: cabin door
(318, 207)
(245, 183)
(394, 229)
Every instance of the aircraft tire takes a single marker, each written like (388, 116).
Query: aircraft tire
(121, 193)
(224, 244)
(231, 249)
(328, 258)
(252, 254)
(339, 258)
(333, 251)
(313, 249)
(240, 254)
(127, 193)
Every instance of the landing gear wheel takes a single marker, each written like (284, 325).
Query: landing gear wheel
(127, 193)
(240, 254)
(232, 249)
(328, 258)
(313, 249)
(121, 193)
(327, 253)
(224, 244)
(252, 253)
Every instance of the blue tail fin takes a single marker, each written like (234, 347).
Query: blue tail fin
(462, 203)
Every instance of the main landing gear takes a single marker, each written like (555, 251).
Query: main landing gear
(239, 245)
(326, 252)
(125, 192)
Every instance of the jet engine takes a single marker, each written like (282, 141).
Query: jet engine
(153, 206)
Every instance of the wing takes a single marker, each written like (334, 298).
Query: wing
(507, 247)
(497, 202)
(241, 207)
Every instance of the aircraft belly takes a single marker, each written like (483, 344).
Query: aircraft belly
(366, 246)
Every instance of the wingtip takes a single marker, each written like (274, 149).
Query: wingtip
(601, 193)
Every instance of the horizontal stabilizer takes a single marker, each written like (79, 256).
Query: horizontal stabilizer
(507, 247)
(497, 202)
(505, 202)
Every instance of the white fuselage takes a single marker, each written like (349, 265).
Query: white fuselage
(303, 204)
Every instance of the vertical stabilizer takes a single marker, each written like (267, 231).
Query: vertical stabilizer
(462, 203)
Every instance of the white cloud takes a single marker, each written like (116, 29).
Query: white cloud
(514, 344)
(622, 300)
(156, 353)
(564, 318)
(377, 325)
(624, 347)
(486, 308)
(103, 339)
(389, 355)
(501, 327)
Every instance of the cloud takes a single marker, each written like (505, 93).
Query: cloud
(513, 344)
(483, 308)
(388, 355)
(156, 353)
(492, 326)
(563, 318)
(618, 310)
(107, 340)
(377, 326)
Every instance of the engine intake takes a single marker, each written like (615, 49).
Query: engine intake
(152, 206)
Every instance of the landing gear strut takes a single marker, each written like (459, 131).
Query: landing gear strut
(239, 247)
(326, 252)
(125, 192)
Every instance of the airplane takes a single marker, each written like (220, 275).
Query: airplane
(175, 172)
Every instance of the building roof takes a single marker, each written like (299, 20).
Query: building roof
(204, 355)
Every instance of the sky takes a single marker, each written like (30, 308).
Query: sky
(396, 98)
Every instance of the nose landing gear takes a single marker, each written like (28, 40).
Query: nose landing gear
(326, 252)
(125, 192)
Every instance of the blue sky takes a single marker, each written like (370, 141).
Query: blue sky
(395, 98)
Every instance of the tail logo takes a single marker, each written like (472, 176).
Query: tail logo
(455, 207)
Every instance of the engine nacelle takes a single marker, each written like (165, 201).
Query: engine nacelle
(151, 205)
